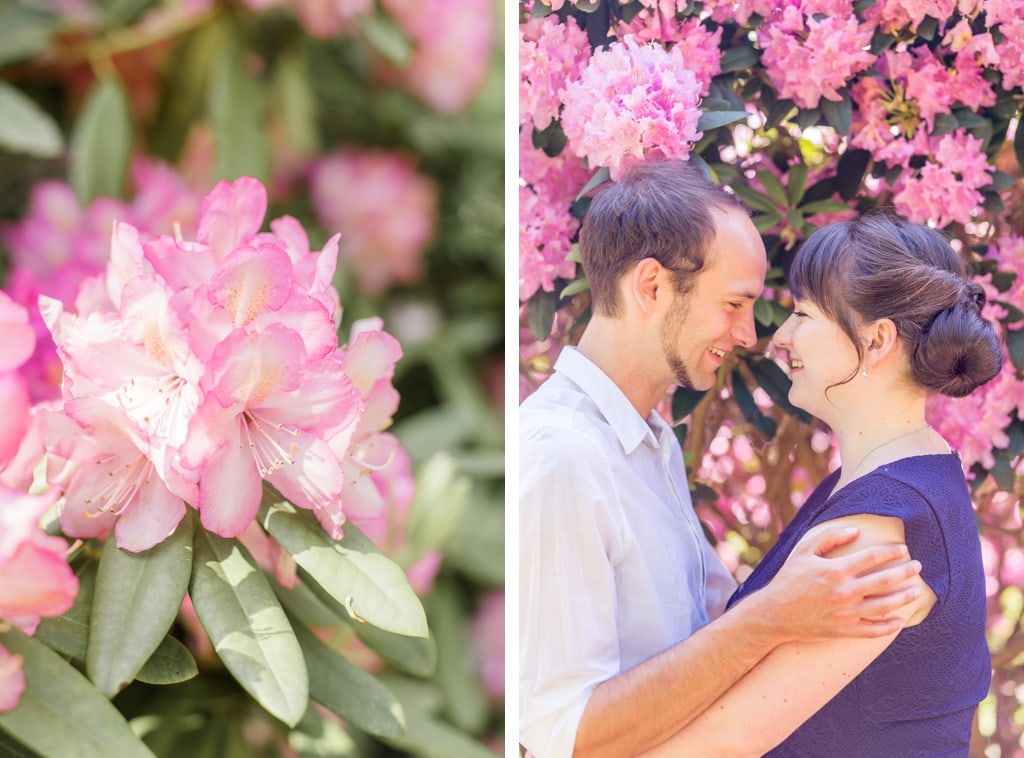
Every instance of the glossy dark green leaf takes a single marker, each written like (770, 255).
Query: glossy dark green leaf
(349, 691)
(353, 571)
(711, 120)
(599, 177)
(575, 287)
(739, 58)
(754, 199)
(1015, 346)
(796, 183)
(61, 713)
(775, 382)
(68, 633)
(852, 166)
(766, 222)
(772, 186)
(684, 401)
(807, 118)
(247, 626)
(839, 113)
(101, 143)
(25, 127)
(138, 596)
(550, 139)
(944, 124)
(540, 314)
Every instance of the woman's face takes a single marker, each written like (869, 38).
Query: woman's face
(819, 355)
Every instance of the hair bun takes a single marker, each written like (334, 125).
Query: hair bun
(960, 351)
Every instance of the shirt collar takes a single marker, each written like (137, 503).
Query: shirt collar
(628, 425)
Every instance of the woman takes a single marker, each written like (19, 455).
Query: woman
(885, 315)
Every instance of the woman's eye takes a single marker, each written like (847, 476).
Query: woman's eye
(799, 314)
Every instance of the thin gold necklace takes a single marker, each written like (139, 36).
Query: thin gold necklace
(884, 444)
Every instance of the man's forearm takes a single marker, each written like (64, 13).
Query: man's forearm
(646, 705)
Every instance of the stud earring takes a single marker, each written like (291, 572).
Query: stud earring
(864, 372)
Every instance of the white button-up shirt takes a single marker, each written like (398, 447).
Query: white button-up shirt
(614, 565)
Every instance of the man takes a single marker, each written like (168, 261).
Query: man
(617, 581)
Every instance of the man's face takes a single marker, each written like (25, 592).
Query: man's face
(718, 313)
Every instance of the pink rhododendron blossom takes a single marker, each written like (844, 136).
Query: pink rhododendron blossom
(892, 15)
(947, 187)
(545, 233)
(816, 59)
(632, 101)
(17, 341)
(196, 369)
(384, 209)
(698, 44)
(1009, 251)
(452, 46)
(35, 579)
(1011, 52)
(489, 642)
(551, 54)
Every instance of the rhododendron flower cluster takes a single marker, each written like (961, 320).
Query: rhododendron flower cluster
(632, 100)
(385, 210)
(59, 244)
(194, 370)
(551, 55)
(35, 579)
(809, 59)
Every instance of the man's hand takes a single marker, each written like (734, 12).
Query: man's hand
(814, 597)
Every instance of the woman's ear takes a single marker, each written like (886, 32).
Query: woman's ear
(882, 340)
(648, 283)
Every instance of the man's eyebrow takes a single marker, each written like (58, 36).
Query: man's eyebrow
(745, 295)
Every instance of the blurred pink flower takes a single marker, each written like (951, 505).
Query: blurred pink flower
(809, 59)
(35, 579)
(632, 101)
(551, 54)
(385, 210)
(17, 341)
(489, 641)
(322, 19)
(452, 45)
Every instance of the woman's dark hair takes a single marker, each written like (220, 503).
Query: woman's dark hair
(658, 209)
(881, 266)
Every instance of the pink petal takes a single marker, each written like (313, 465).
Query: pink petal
(12, 680)
(231, 215)
(251, 281)
(371, 354)
(361, 499)
(151, 518)
(312, 319)
(17, 338)
(17, 405)
(250, 367)
(19, 519)
(312, 478)
(291, 234)
(126, 259)
(183, 265)
(325, 403)
(37, 581)
(230, 490)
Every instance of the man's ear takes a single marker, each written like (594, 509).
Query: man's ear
(648, 285)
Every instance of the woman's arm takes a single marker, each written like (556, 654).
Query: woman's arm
(796, 679)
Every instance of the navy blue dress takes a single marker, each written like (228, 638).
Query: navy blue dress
(919, 696)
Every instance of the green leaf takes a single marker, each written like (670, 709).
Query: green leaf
(684, 401)
(551, 139)
(739, 58)
(853, 164)
(236, 103)
(927, 28)
(763, 312)
(711, 120)
(385, 37)
(298, 104)
(247, 626)
(778, 111)
(24, 31)
(540, 314)
(171, 663)
(775, 382)
(1015, 345)
(754, 199)
(457, 677)
(838, 113)
(345, 689)
(599, 177)
(824, 206)
(137, 598)
(439, 503)
(354, 572)
(1018, 147)
(944, 124)
(1002, 470)
(68, 634)
(772, 186)
(101, 143)
(575, 287)
(25, 127)
(432, 738)
(796, 183)
(807, 118)
(766, 222)
(61, 713)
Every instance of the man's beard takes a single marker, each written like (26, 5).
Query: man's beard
(670, 330)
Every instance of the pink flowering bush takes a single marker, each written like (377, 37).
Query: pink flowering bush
(250, 282)
(809, 111)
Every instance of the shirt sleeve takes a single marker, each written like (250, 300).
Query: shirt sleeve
(570, 541)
